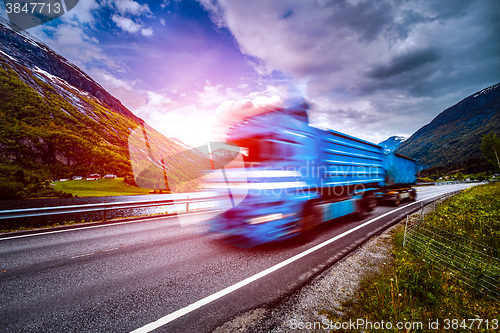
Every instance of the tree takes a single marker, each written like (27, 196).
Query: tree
(490, 146)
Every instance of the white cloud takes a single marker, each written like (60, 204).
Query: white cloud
(129, 25)
(147, 32)
(126, 24)
(126, 9)
(211, 95)
(164, 4)
(130, 7)
(162, 21)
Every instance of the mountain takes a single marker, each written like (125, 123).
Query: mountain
(57, 121)
(455, 134)
(180, 143)
(392, 143)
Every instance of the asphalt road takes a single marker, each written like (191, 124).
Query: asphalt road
(123, 276)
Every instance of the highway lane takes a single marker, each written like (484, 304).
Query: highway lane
(121, 277)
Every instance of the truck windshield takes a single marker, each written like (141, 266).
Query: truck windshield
(263, 149)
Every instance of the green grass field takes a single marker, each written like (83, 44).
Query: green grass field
(99, 188)
(415, 289)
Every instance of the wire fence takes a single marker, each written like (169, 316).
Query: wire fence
(472, 263)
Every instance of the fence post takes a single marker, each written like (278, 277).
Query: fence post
(187, 205)
(104, 215)
(421, 212)
(406, 226)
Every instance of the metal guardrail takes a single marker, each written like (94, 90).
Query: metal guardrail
(104, 207)
(452, 182)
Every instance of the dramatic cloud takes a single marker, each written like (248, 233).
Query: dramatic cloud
(371, 61)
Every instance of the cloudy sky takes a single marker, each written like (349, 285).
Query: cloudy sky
(371, 69)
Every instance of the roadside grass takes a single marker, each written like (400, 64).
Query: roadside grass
(99, 188)
(415, 289)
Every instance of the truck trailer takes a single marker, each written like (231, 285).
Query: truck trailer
(298, 176)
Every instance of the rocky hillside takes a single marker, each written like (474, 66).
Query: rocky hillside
(455, 134)
(392, 143)
(56, 118)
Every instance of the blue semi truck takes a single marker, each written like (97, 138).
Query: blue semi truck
(296, 176)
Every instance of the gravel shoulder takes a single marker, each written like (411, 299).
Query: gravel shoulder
(325, 292)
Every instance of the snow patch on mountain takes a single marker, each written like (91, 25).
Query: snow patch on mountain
(392, 143)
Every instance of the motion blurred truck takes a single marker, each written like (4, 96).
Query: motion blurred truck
(400, 175)
(298, 176)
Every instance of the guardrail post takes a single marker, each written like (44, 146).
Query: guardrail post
(187, 206)
(104, 215)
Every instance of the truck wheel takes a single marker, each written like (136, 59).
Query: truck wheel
(397, 200)
(413, 195)
(370, 202)
(361, 210)
(311, 217)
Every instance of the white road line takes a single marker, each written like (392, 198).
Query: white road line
(116, 248)
(89, 254)
(83, 255)
(196, 305)
(95, 226)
